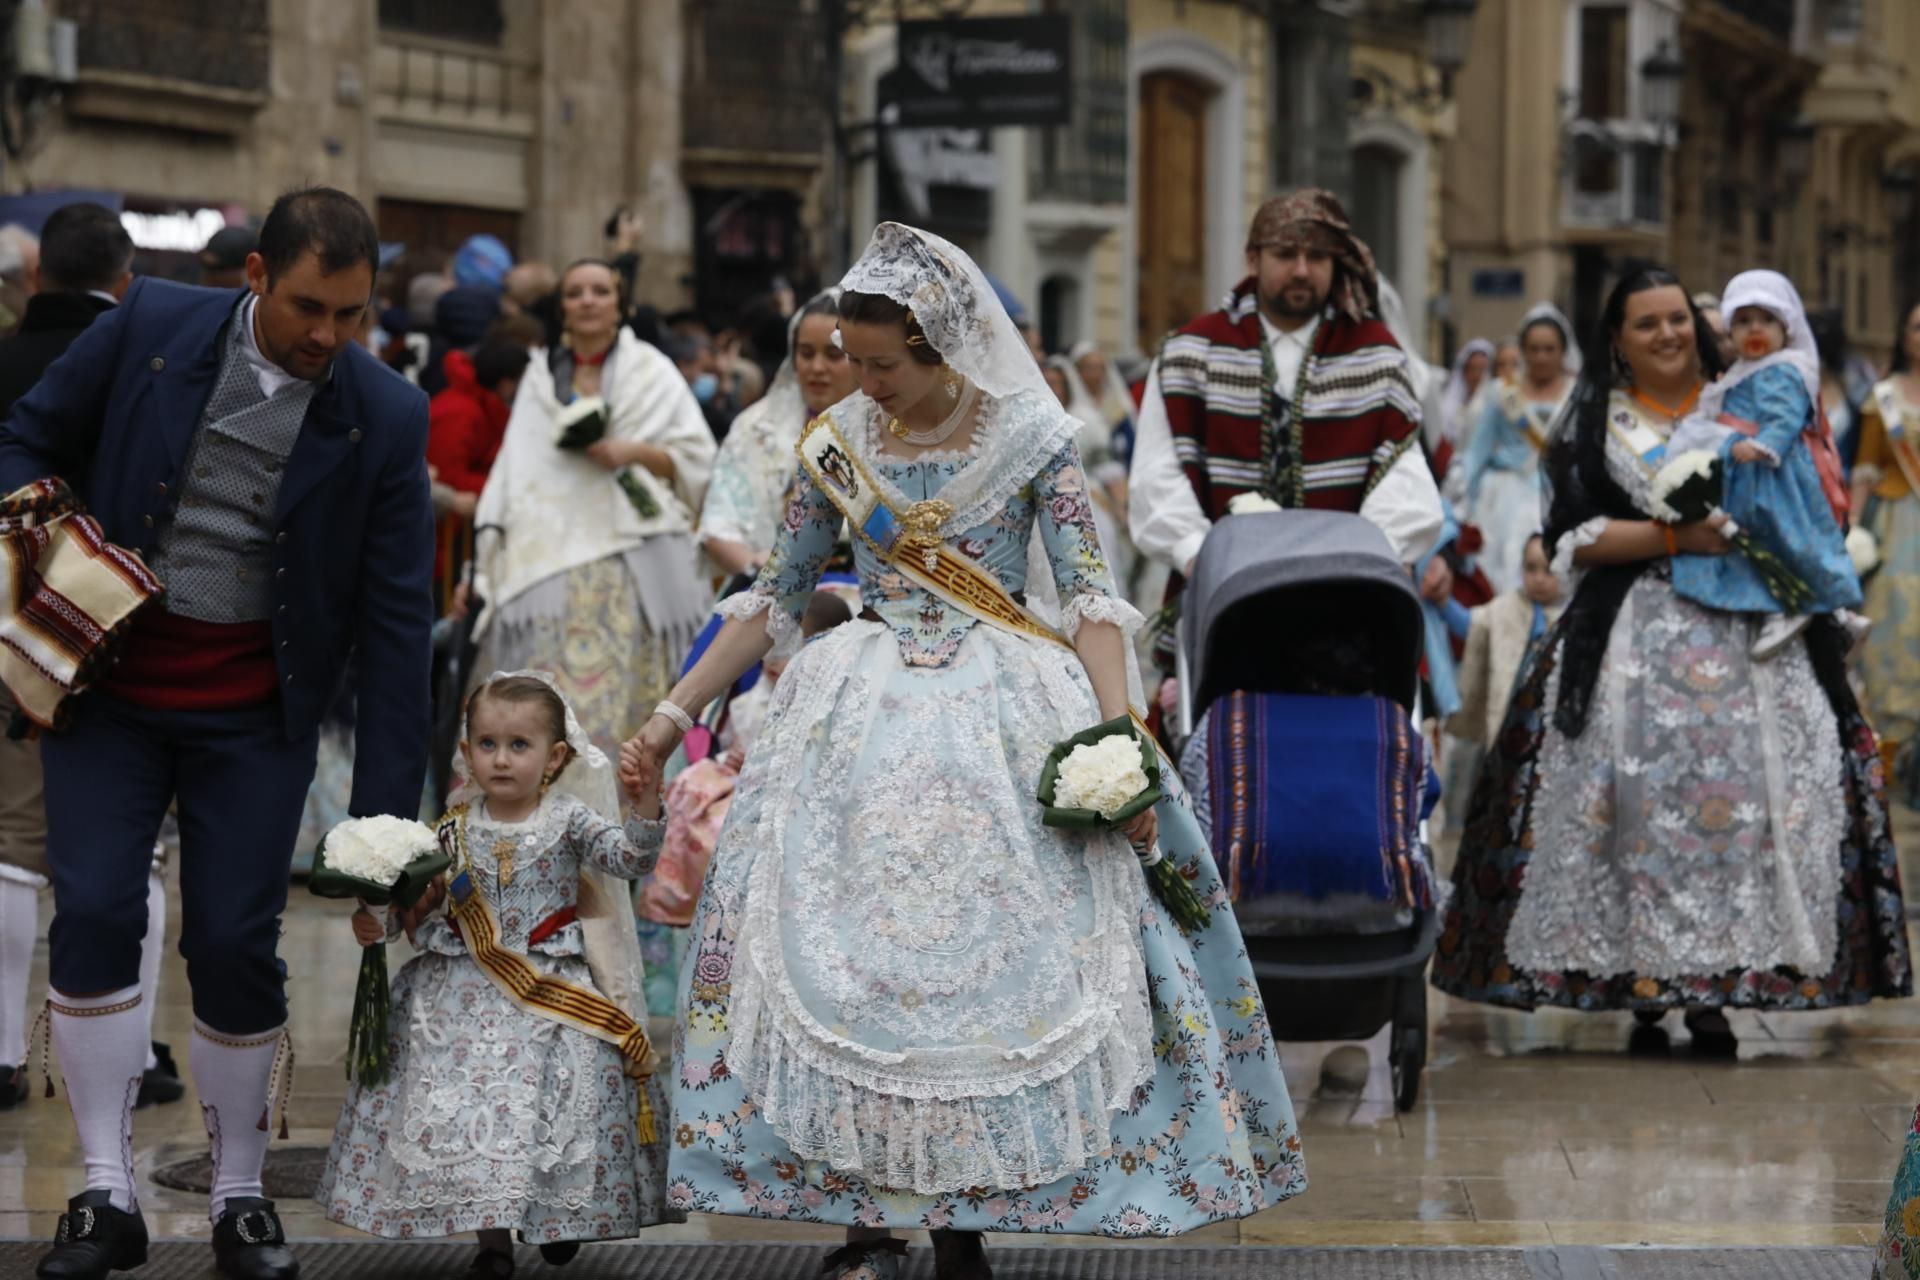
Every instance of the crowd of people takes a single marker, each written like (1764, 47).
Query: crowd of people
(764, 631)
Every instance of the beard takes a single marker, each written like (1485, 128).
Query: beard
(1293, 304)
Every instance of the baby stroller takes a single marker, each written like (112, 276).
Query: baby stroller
(1298, 661)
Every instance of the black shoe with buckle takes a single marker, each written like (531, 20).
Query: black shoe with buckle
(94, 1239)
(249, 1244)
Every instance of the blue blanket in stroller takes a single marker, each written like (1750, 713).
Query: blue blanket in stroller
(1314, 796)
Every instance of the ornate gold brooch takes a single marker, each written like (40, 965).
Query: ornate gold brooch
(922, 523)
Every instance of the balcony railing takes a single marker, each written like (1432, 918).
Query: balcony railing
(220, 46)
(1613, 181)
(1086, 159)
(754, 74)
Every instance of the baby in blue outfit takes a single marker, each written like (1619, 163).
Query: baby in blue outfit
(1781, 474)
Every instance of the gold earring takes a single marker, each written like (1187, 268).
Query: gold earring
(953, 382)
(546, 780)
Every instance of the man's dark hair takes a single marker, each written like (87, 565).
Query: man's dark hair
(83, 247)
(498, 360)
(320, 220)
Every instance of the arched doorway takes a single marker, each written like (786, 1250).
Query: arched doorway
(1172, 204)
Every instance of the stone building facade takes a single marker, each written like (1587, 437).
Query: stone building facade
(1792, 145)
(529, 120)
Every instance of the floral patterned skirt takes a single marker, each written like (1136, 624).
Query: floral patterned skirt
(1899, 1254)
(494, 1118)
(1889, 660)
(1701, 806)
(1207, 1135)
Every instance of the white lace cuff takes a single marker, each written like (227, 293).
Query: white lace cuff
(1584, 534)
(1773, 459)
(782, 628)
(1091, 606)
(1867, 474)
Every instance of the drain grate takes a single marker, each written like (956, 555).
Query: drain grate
(636, 1261)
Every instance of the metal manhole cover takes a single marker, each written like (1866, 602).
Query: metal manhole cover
(292, 1173)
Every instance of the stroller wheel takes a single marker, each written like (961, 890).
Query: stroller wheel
(1408, 1058)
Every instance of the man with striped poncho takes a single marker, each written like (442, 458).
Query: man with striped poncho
(1293, 389)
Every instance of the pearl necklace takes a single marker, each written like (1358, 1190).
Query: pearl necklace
(944, 432)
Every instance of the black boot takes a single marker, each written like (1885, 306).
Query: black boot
(249, 1243)
(94, 1238)
(960, 1255)
(162, 1083)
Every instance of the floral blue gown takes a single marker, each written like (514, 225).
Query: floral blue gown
(1779, 502)
(909, 1003)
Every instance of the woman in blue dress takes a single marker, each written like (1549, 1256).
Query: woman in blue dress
(909, 1004)
(1502, 468)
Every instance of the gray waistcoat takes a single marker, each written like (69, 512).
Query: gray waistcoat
(215, 555)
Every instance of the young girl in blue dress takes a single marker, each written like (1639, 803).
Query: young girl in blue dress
(1782, 481)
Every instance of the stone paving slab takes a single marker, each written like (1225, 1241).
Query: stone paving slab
(374, 1261)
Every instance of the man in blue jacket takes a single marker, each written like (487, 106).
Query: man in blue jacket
(272, 474)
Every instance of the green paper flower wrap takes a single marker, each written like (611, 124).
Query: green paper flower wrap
(1169, 887)
(583, 424)
(367, 1057)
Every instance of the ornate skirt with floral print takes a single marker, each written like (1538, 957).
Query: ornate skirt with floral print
(1717, 836)
(1899, 1254)
(923, 920)
(494, 1119)
(1890, 655)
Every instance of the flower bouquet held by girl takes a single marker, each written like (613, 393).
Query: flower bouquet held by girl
(519, 1094)
(1103, 778)
(383, 862)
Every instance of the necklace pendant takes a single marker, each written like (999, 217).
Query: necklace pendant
(921, 523)
(503, 857)
(899, 429)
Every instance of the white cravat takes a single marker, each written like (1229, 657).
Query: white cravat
(273, 379)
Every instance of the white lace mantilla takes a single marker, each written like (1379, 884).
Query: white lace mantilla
(931, 988)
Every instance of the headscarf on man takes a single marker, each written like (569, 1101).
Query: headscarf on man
(1314, 218)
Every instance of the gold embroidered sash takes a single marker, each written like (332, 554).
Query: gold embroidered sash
(527, 989)
(1898, 444)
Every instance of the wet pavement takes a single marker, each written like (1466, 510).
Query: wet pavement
(1532, 1130)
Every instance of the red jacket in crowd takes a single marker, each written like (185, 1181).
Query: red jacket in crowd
(465, 425)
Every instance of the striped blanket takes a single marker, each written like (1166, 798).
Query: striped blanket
(66, 598)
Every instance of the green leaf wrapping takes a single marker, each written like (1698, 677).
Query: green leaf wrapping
(1089, 819)
(367, 1050)
(1169, 887)
(587, 431)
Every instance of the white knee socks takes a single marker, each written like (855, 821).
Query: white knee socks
(102, 1042)
(152, 948)
(233, 1075)
(19, 930)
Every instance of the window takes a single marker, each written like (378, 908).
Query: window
(479, 21)
(1086, 159)
(1603, 62)
(1377, 174)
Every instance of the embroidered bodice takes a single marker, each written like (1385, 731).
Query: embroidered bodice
(1052, 500)
(530, 871)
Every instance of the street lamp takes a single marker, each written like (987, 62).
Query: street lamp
(1660, 84)
(1448, 23)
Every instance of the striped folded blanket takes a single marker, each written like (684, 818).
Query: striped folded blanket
(66, 598)
(1316, 796)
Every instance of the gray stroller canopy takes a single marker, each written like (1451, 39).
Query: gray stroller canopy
(1326, 570)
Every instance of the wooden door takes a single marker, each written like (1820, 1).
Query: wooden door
(1172, 239)
(423, 225)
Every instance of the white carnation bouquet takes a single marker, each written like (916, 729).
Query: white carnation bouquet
(1689, 488)
(383, 862)
(1863, 549)
(1104, 778)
